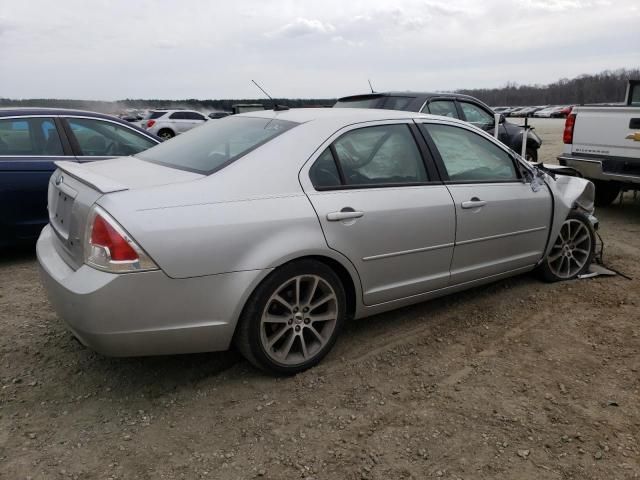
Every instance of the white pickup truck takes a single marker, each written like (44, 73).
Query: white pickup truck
(602, 142)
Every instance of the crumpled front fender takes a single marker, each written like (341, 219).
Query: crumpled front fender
(568, 193)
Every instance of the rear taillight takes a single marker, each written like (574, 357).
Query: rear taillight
(108, 247)
(150, 123)
(569, 123)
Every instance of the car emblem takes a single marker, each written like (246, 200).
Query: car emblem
(634, 136)
(59, 180)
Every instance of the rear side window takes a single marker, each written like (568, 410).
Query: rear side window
(324, 173)
(397, 103)
(98, 138)
(468, 157)
(634, 96)
(214, 145)
(370, 156)
(29, 136)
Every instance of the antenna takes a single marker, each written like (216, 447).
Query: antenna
(371, 86)
(263, 90)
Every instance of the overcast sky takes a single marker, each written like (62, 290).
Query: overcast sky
(114, 49)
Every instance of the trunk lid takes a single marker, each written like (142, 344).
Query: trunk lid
(74, 188)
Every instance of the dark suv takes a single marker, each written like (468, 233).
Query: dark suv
(454, 105)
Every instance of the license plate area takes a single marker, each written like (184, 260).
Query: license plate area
(60, 207)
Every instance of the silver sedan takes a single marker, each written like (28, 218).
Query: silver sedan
(270, 229)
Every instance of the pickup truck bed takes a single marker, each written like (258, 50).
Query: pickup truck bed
(603, 144)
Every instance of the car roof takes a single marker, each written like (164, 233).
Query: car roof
(411, 94)
(18, 111)
(343, 115)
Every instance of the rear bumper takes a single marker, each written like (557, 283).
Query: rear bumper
(594, 168)
(145, 313)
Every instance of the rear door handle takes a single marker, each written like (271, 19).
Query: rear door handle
(475, 202)
(346, 213)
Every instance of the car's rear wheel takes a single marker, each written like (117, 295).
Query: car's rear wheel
(573, 250)
(293, 318)
(606, 192)
(166, 134)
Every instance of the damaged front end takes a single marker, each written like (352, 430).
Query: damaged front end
(569, 193)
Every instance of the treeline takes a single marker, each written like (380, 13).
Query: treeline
(605, 87)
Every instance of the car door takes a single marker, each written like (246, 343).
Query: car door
(99, 139)
(29, 146)
(384, 208)
(179, 122)
(502, 220)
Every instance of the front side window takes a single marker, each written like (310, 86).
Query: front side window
(476, 115)
(98, 138)
(213, 145)
(155, 115)
(385, 154)
(468, 157)
(444, 108)
(193, 116)
(29, 136)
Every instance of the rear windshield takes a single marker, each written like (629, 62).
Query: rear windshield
(214, 145)
(156, 114)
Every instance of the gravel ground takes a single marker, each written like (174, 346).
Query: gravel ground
(518, 379)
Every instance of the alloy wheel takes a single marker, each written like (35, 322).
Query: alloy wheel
(298, 319)
(571, 251)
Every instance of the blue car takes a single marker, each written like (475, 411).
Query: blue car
(32, 139)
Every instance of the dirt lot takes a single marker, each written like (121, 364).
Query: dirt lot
(519, 379)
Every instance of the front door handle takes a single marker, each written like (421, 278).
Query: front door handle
(475, 202)
(346, 213)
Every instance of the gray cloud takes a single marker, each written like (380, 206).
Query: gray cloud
(202, 49)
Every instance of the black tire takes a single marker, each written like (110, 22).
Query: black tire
(606, 192)
(249, 336)
(531, 154)
(549, 266)
(166, 133)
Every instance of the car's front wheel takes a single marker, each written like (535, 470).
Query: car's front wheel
(573, 250)
(293, 318)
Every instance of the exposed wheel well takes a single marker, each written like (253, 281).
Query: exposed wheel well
(345, 278)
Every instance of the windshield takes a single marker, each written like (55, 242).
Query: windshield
(214, 145)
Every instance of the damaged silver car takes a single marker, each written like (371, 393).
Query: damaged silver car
(269, 229)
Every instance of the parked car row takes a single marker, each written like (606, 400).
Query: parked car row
(543, 111)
